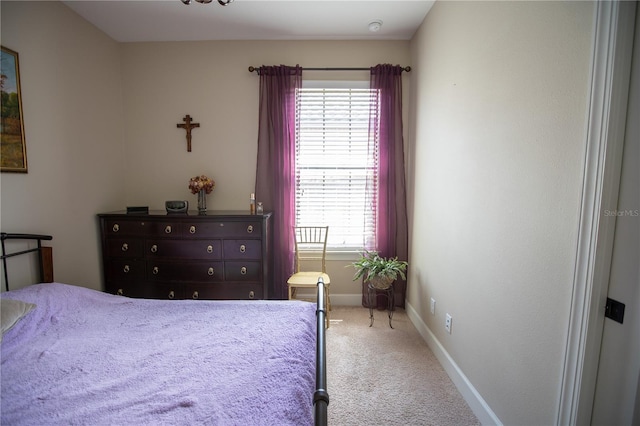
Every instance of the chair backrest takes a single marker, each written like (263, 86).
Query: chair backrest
(311, 246)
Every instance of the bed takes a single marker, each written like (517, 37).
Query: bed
(72, 355)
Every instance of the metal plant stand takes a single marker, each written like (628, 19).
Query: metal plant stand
(388, 292)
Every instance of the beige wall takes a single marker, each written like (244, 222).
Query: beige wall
(209, 81)
(501, 91)
(72, 106)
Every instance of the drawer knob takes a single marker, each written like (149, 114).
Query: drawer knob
(192, 229)
(209, 249)
(243, 248)
(120, 292)
(171, 295)
(154, 248)
(250, 229)
(167, 230)
(195, 295)
(210, 272)
(155, 270)
(125, 269)
(251, 295)
(125, 247)
(116, 227)
(243, 270)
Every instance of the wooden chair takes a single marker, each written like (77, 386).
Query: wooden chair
(310, 261)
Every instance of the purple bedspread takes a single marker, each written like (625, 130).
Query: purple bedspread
(86, 357)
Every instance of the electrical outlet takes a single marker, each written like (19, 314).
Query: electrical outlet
(447, 323)
(433, 306)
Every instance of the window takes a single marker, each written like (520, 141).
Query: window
(334, 162)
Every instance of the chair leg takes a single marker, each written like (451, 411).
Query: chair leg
(327, 304)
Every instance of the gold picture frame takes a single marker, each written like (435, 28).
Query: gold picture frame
(13, 155)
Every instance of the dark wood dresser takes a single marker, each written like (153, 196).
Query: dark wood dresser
(218, 255)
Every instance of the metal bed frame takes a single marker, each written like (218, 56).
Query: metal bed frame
(321, 396)
(40, 249)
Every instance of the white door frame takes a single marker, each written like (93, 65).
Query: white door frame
(610, 70)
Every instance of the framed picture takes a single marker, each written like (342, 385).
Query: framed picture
(13, 155)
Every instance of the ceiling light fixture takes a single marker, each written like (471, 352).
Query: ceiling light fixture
(221, 2)
(375, 26)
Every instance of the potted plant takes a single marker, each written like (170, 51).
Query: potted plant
(379, 271)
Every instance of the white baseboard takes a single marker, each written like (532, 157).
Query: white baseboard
(346, 299)
(477, 404)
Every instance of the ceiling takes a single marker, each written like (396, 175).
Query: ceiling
(171, 20)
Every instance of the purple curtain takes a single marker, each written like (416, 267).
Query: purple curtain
(385, 124)
(275, 184)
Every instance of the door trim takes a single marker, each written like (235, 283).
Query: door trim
(610, 70)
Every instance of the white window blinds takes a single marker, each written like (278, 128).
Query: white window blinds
(334, 162)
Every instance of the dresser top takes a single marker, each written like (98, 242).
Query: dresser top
(190, 213)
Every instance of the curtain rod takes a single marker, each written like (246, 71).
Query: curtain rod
(257, 70)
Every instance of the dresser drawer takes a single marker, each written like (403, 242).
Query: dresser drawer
(124, 247)
(242, 271)
(243, 229)
(142, 227)
(201, 271)
(126, 269)
(199, 229)
(242, 249)
(127, 288)
(181, 249)
(165, 291)
(162, 228)
(120, 226)
(228, 291)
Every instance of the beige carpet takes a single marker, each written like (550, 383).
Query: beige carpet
(383, 376)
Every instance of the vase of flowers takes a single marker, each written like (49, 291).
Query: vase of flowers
(201, 185)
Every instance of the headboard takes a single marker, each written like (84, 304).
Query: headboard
(45, 255)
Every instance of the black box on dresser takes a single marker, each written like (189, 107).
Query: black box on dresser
(217, 255)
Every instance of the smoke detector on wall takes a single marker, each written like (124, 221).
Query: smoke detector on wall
(375, 26)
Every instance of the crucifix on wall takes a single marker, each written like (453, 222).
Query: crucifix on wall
(188, 125)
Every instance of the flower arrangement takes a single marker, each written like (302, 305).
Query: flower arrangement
(198, 183)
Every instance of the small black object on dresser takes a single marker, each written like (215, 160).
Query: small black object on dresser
(138, 210)
(220, 255)
(177, 206)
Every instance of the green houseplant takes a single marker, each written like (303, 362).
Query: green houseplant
(377, 270)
